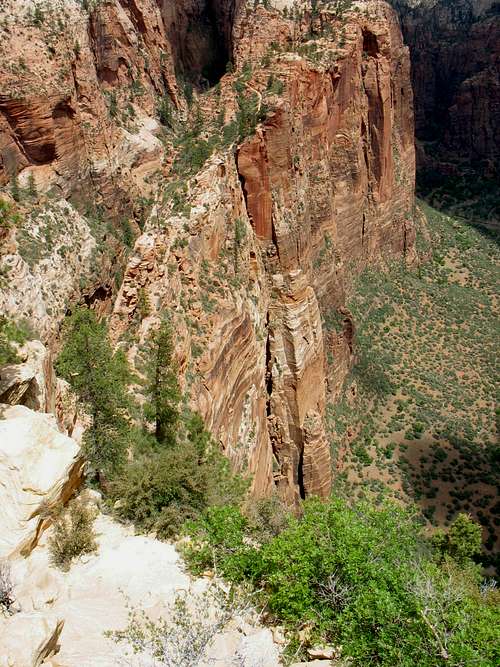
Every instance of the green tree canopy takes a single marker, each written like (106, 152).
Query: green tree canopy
(99, 377)
(162, 387)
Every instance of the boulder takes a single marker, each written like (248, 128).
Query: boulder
(39, 468)
(323, 652)
(32, 382)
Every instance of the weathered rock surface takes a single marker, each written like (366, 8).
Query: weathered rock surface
(78, 93)
(59, 618)
(69, 612)
(455, 52)
(265, 252)
(31, 383)
(66, 74)
(39, 468)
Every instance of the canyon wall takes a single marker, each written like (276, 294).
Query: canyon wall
(455, 53)
(255, 275)
(250, 256)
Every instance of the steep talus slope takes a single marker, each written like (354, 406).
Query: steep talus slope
(250, 252)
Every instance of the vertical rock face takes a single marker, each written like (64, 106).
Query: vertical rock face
(201, 35)
(323, 188)
(455, 50)
(254, 263)
(328, 182)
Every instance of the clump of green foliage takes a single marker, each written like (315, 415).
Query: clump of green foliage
(163, 487)
(8, 216)
(177, 473)
(11, 334)
(99, 376)
(159, 463)
(361, 577)
(73, 534)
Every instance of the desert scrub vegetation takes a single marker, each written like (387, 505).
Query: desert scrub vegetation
(183, 637)
(6, 589)
(12, 334)
(363, 577)
(9, 216)
(156, 463)
(73, 534)
(427, 371)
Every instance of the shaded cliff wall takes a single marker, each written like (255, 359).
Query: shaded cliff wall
(200, 33)
(455, 54)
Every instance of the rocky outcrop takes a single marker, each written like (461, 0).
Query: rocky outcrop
(455, 52)
(53, 255)
(60, 617)
(39, 468)
(32, 383)
(74, 85)
(79, 87)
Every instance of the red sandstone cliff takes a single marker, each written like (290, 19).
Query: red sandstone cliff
(252, 255)
(323, 187)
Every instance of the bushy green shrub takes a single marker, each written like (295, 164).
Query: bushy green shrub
(11, 333)
(462, 540)
(361, 577)
(8, 216)
(182, 638)
(73, 534)
(163, 487)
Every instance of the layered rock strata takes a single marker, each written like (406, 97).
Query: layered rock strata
(253, 255)
(256, 270)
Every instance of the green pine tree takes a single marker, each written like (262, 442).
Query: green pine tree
(99, 377)
(162, 388)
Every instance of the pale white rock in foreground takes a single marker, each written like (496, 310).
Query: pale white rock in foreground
(39, 466)
(92, 598)
(60, 617)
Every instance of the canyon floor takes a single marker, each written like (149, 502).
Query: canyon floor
(424, 420)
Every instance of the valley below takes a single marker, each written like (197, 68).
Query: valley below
(249, 333)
